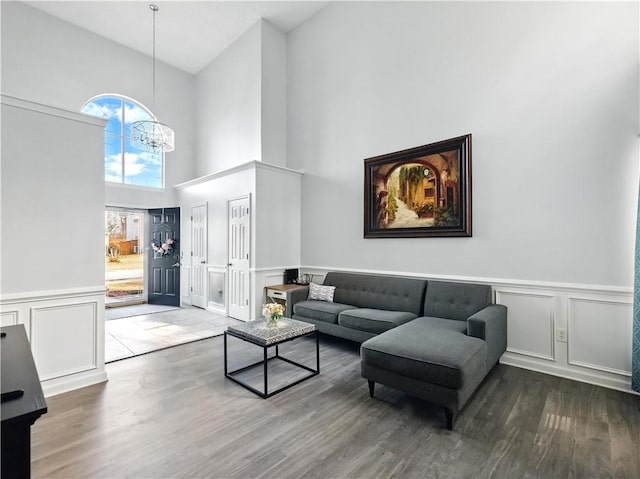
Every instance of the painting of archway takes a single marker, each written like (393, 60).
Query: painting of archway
(423, 191)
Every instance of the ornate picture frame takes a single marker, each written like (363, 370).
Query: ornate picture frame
(419, 192)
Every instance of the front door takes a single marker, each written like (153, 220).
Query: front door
(239, 246)
(164, 257)
(199, 256)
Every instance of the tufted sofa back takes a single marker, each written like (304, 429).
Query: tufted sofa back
(378, 292)
(455, 300)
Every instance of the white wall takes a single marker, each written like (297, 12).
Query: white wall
(549, 92)
(277, 216)
(50, 61)
(52, 229)
(274, 95)
(53, 191)
(241, 107)
(52, 237)
(228, 107)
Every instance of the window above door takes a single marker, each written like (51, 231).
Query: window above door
(123, 163)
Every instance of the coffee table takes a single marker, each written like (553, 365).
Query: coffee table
(259, 334)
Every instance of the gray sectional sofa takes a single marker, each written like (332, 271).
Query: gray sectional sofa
(433, 340)
(363, 305)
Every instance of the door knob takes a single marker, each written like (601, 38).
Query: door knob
(230, 264)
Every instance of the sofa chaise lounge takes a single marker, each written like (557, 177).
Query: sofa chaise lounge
(433, 340)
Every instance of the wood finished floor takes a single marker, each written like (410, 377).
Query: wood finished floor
(172, 414)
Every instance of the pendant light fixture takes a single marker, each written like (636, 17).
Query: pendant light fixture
(151, 135)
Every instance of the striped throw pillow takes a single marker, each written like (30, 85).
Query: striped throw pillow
(321, 293)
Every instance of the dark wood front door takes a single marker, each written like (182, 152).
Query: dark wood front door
(164, 257)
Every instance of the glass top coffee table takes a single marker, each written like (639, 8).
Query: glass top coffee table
(259, 334)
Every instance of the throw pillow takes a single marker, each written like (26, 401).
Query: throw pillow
(321, 293)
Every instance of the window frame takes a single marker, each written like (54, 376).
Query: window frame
(123, 136)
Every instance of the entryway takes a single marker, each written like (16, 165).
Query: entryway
(124, 256)
(141, 319)
(153, 327)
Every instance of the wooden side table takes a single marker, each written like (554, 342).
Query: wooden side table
(280, 293)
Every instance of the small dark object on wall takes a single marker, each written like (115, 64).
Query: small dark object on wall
(290, 275)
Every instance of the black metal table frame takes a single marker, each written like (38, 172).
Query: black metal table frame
(266, 394)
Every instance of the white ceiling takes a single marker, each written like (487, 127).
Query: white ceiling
(189, 34)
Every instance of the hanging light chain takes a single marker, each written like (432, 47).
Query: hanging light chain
(154, 8)
(151, 135)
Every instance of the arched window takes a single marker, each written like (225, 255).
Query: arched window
(122, 162)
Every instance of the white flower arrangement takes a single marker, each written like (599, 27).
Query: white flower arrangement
(274, 311)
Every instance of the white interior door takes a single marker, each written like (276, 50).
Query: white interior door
(239, 247)
(199, 256)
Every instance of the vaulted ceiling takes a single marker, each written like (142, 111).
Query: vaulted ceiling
(189, 34)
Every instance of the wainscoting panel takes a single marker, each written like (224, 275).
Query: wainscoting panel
(66, 333)
(530, 323)
(600, 334)
(9, 318)
(217, 289)
(63, 339)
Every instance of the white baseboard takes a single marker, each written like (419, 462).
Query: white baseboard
(603, 380)
(64, 384)
(217, 309)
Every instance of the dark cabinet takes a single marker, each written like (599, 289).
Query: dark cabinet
(22, 401)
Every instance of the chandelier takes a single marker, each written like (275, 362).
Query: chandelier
(151, 135)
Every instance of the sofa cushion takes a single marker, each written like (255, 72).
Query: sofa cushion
(433, 350)
(390, 293)
(455, 300)
(373, 320)
(320, 310)
(321, 293)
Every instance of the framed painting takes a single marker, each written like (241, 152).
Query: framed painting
(419, 192)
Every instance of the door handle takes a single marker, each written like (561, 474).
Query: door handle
(174, 265)
(230, 264)
(202, 262)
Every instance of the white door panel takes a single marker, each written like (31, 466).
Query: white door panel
(239, 244)
(199, 256)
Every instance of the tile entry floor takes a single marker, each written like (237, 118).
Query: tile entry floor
(131, 336)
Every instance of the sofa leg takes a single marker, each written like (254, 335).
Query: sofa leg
(448, 413)
(372, 385)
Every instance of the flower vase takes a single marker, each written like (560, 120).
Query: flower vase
(272, 322)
